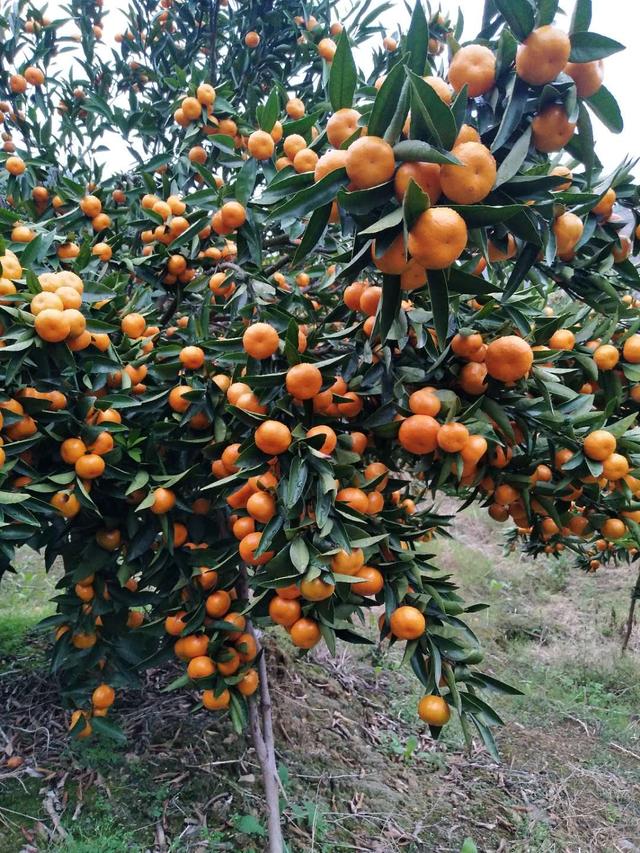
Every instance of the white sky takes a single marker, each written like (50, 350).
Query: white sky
(619, 19)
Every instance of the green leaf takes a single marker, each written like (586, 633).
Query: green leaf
(519, 15)
(246, 180)
(343, 76)
(605, 106)
(584, 140)
(526, 259)
(394, 130)
(417, 43)
(416, 151)
(105, 727)
(312, 197)
(547, 10)
(415, 202)
(465, 282)
(270, 111)
(586, 46)
(468, 846)
(514, 159)
(313, 232)
(388, 221)
(12, 498)
(434, 112)
(250, 825)
(386, 102)
(516, 103)
(581, 18)
(299, 554)
(390, 303)
(439, 294)
(476, 215)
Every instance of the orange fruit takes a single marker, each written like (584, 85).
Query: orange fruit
(631, 349)
(103, 696)
(392, 261)
(215, 703)
(552, 129)
(273, 437)
(164, 500)
(354, 498)
(175, 624)
(472, 181)
(438, 237)
(599, 444)
(341, 125)
(407, 623)
(424, 402)
(562, 339)
(284, 612)
(330, 440)
(372, 581)
(452, 437)
(305, 633)
(568, 228)
(343, 563)
(508, 358)
(425, 175)
(218, 603)
(248, 684)
(588, 76)
(370, 161)
(261, 145)
(247, 548)
(419, 434)
(606, 357)
(303, 381)
(260, 340)
(90, 466)
(72, 449)
(329, 162)
(613, 528)
(261, 506)
(434, 710)
(177, 401)
(542, 55)
(191, 357)
(615, 467)
(52, 325)
(475, 66)
(200, 667)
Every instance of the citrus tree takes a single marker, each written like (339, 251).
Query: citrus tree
(259, 307)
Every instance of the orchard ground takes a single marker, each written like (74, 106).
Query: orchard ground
(357, 771)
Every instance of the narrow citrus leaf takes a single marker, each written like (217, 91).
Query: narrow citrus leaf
(386, 101)
(605, 106)
(313, 232)
(417, 42)
(519, 15)
(439, 294)
(585, 47)
(343, 77)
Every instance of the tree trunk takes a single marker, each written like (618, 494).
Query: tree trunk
(635, 595)
(261, 726)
